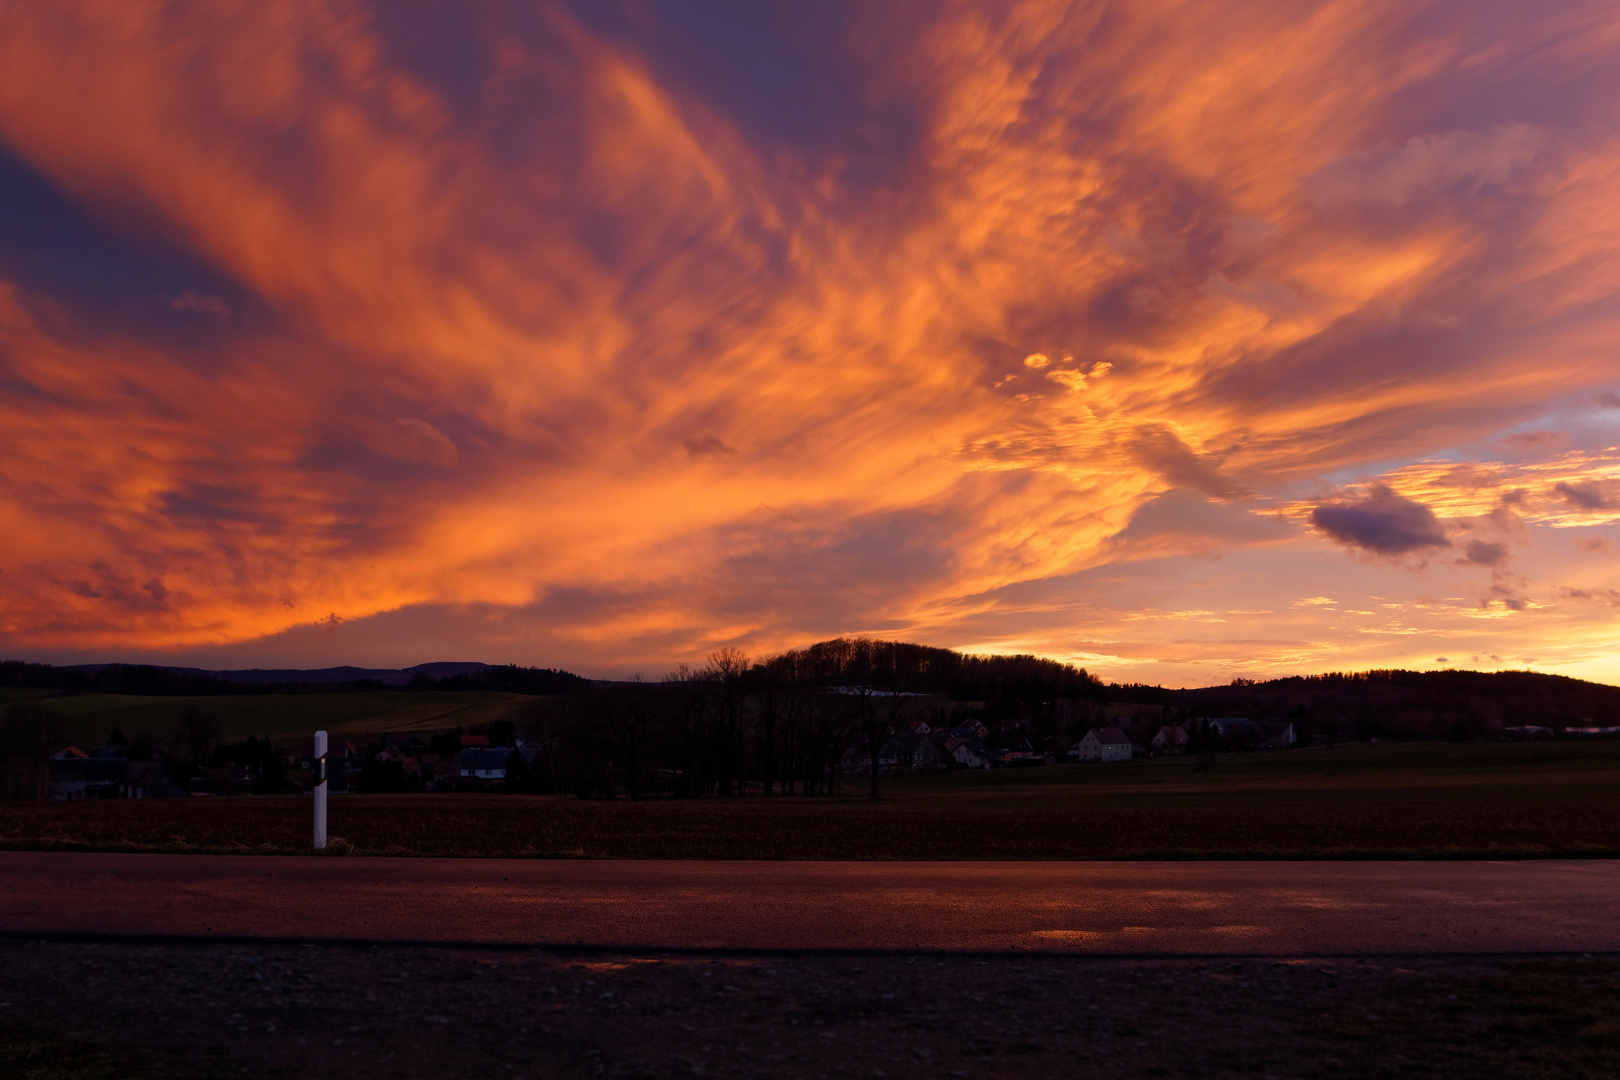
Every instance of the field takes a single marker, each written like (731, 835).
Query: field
(1355, 801)
(92, 716)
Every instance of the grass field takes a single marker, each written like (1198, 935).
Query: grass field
(92, 716)
(1360, 801)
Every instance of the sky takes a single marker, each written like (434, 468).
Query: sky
(1183, 341)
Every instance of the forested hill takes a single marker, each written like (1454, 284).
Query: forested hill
(907, 667)
(1020, 688)
(1407, 704)
(146, 679)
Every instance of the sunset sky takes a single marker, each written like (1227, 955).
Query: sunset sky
(1184, 341)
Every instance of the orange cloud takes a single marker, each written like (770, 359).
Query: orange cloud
(580, 326)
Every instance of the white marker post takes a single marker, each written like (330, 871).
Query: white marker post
(320, 790)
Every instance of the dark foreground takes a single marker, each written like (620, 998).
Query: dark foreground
(213, 1010)
(1127, 908)
(802, 970)
(1369, 801)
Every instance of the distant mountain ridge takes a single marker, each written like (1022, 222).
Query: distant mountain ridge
(162, 681)
(438, 669)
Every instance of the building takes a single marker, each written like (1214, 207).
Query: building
(1105, 744)
(1171, 739)
(76, 775)
(147, 780)
(483, 763)
(1236, 730)
(973, 753)
(1277, 736)
(910, 751)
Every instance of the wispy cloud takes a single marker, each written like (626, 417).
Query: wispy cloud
(912, 318)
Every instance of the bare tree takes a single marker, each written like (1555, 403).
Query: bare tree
(874, 731)
(627, 718)
(30, 732)
(726, 670)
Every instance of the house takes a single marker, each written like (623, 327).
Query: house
(483, 763)
(409, 766)
(474, 741)
(1105, 744)
(75, 775)
(1235, 730)
(910, 751)
(147, 780)
(1171, 739)
(1014, 752)
(973, 753)
(1277, 736)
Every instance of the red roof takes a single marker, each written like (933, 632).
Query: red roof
(475, 740)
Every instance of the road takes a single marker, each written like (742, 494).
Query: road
(1121, 908)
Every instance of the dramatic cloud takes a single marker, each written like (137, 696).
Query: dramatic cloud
(1590, 494)
(1485, 553)
(1381, 522)
(607, 333)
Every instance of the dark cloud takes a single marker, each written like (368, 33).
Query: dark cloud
(190, 300)
(1501, 594)
(1185, 521)
(706, 446)
(210, 505)
(1596, 596)
(1160, 449)
(1528, 443)
(111, 586)
(1609, 401)
(1588, 494)
(1381, 522)
(1485, 553)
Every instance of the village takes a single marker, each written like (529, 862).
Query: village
(776, 727)
(467, 761)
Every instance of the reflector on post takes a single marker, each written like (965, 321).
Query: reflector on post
(320, 790)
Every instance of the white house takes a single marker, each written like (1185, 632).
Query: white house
(1105, 744)
(973, 753)
(1280, 735)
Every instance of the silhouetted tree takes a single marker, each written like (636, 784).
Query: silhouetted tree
(30, 732)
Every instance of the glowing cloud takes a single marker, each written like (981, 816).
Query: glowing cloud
(561, 334)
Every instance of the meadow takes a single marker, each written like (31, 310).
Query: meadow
(1357, 801)
(362, 715)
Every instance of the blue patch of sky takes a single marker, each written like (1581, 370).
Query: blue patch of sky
(784, 73)
(110, 276)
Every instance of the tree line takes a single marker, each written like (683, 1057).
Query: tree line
(781, 724)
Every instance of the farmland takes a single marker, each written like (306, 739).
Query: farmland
(92, 716)
(1381, 800)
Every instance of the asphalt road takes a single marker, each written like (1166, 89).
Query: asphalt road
(1122, 908)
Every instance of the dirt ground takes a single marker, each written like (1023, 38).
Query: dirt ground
(211, 1010)
(1573, 821)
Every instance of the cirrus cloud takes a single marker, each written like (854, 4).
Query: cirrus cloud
(638, 331)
